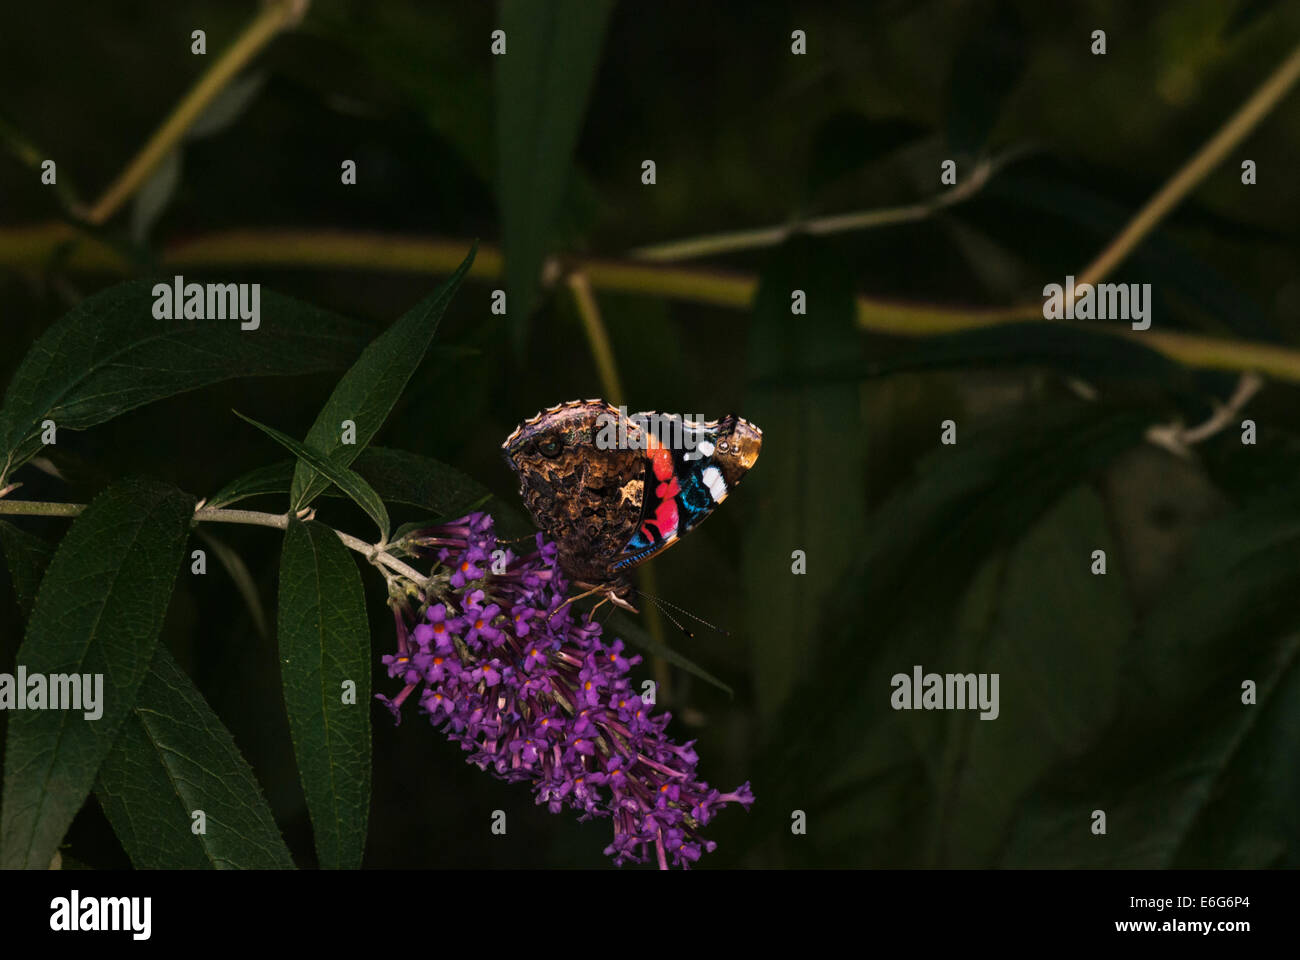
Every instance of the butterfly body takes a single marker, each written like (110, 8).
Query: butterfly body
(613, 490)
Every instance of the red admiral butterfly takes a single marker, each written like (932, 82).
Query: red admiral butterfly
(614, 490)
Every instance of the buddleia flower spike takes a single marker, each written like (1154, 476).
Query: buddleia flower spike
(500, 664)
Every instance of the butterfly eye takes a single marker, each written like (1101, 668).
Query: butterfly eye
(549, 447)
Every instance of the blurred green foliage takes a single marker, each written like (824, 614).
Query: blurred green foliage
(1120, 693)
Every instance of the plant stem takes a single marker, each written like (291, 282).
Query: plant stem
(737, 240)
(280, 521)
(34, 508)
(254, 517)
(31, 245)
(612, 386)
(601, 350)
(375, 555)
(273, 17)
(1177, 438)
(1212, 152)
(31, 156)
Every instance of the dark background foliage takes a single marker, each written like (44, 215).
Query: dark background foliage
(1119, 692)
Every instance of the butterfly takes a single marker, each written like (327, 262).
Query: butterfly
(613, 490)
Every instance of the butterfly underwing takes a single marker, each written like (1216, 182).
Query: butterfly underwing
(614, 489)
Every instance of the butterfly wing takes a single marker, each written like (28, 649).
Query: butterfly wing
(612, 494)
(586, 496)
(685, 483)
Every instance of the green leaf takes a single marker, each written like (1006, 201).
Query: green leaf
(369, 390)
(153, 198)
(621, 625)
(398, 476)
(274, 478)
(1188, 774)
(109, 354)
(807, 497)
(926, 557)
(98, 612)
(981, 495)
(360, 492)
(26, 556)
(1056, 634)
(172, 757)
(542, 88)
(419, 481)
(324, 645)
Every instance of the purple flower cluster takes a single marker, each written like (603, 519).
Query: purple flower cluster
(535, 694)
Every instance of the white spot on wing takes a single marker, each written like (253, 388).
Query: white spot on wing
(712, 478)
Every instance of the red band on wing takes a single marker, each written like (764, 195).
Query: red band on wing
(661, 459)
(665, 521)
(665, 518)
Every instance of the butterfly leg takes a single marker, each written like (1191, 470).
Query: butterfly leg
(576, 596)
(614, 595)
(619, 600)
(591, 614)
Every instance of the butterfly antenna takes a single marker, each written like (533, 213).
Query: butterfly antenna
(673, 620)
(664, 604)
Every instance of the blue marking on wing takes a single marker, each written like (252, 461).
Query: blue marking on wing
(694, 501)
(637, 557)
